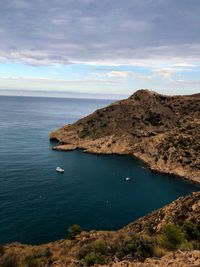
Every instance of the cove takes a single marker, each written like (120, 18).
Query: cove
(92, 192)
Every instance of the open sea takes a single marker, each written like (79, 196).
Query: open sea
(37, 204)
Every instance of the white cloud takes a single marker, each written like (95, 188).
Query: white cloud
(117, 73)
(56, 81)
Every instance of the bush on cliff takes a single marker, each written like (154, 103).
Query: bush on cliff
(39, 258)
(139, 247)
(97, 252)
(192, 230)
(100, 246)
(94, 258)
(73, 231)
(172, 236)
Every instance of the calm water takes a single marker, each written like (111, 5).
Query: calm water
(38, 205)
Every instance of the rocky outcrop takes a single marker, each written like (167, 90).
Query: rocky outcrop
(163, 131)
(177, 259)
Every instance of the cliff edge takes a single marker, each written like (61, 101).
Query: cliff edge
(163, 131)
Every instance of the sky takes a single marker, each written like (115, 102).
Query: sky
(100, 46)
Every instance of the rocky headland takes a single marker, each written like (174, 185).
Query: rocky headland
(163, 131)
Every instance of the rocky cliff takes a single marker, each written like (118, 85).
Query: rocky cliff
(163, 131)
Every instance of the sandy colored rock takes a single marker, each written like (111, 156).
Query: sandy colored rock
(177, 259)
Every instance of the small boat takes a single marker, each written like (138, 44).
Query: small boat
(58, 169)
(128, 178)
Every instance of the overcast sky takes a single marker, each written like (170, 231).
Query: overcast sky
(100, 46)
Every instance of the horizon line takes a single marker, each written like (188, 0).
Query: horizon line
(60, 94)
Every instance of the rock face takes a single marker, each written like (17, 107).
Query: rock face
(177, 259)
(163, 131)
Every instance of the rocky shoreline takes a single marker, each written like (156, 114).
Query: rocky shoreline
(162, 131)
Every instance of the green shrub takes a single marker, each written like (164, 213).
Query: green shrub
(95, 253)
(191, 230)
(84, 133)
(42, 253)
(186, 245)
(154, 118)
(73, 231)
(94, 258)
(39, 258)
(36, 260)
(99, 246)
(139, 247)
(83, 251)
(172, 236)
(10, 260)
(145, 248)
(117, 247)
(130, 246)
(196, 245)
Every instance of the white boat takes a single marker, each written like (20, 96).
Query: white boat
(58, 169)
(128, 178)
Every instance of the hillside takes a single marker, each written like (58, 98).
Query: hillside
(170, 235)
(163, 131)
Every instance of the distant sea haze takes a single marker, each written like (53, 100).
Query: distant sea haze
(60, 94)
(37, 204)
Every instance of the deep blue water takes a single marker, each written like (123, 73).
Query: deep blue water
(37, 204)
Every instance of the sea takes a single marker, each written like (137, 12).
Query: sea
(38, 204)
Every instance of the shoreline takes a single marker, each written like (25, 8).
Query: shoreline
(151, 168)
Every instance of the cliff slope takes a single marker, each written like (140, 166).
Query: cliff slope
(163, 131)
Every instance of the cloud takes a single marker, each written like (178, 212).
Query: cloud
(142, 77)
(117, 73)
(187, 82)
(170, 72)
(139, 33)
(56, 81)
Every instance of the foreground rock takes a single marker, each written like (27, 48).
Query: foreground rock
(163, 131)
(177, 259)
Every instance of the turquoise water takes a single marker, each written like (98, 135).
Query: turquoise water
(37, 204)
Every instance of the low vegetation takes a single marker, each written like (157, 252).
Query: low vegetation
(92, 250)
(73, 231)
